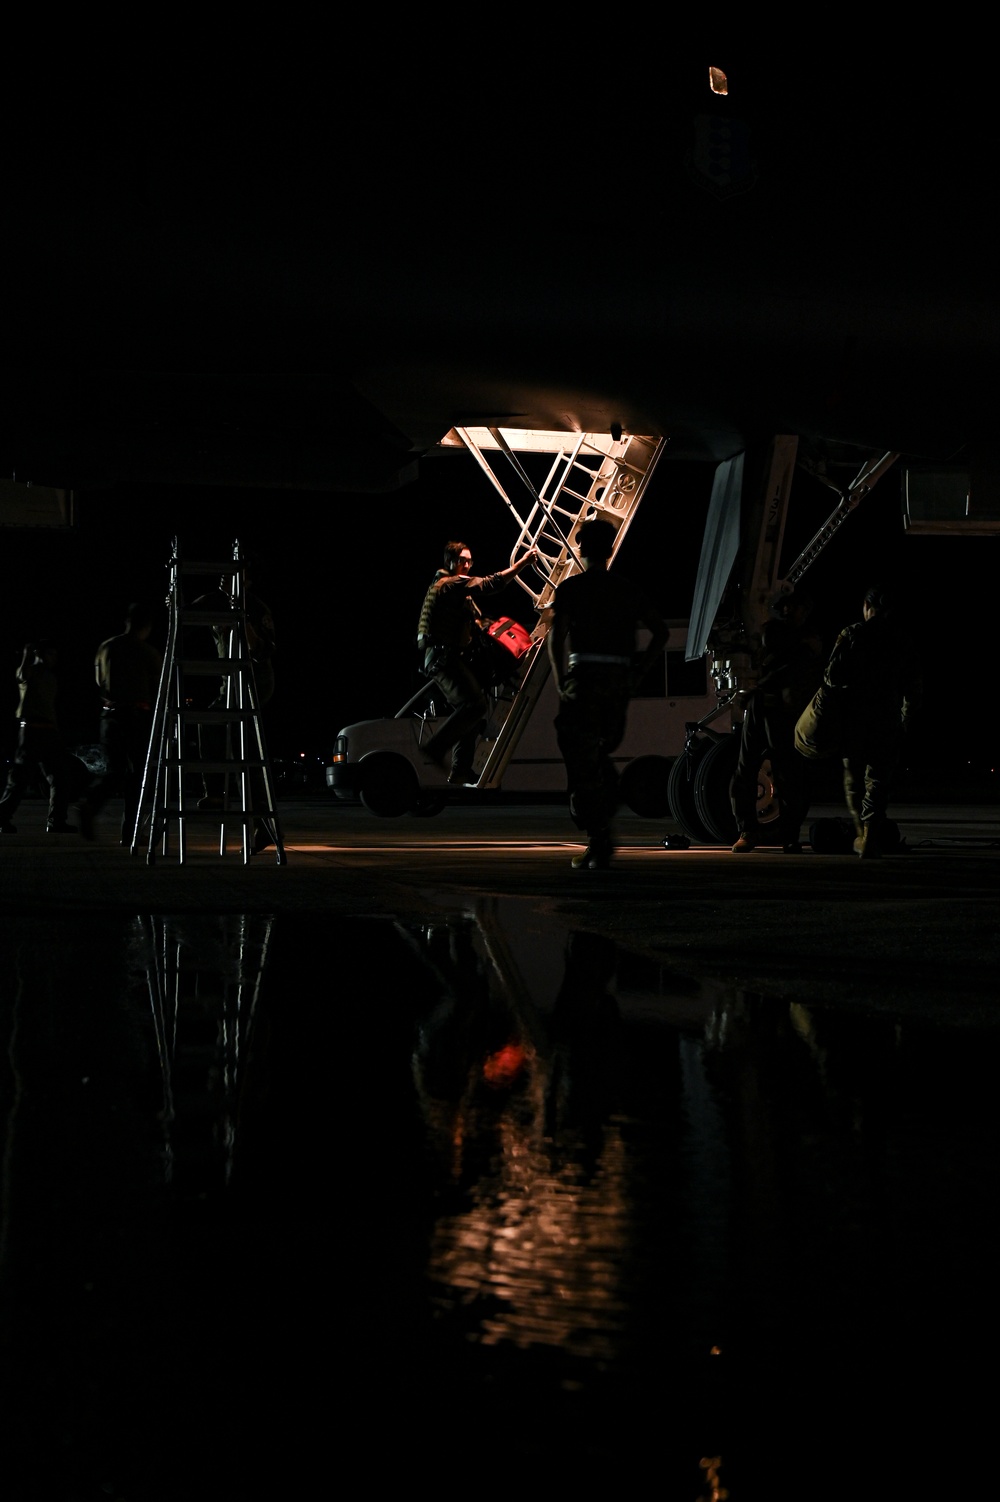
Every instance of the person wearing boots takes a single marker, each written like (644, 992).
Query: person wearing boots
(39, 743)
(878, 674)
(791, 668)
(592, 650)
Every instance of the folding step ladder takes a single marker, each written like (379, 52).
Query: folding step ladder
(238, 758)
(592, 476)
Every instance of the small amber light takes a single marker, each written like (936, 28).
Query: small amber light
(717, 81)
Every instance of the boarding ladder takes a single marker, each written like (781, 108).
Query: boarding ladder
(591, 476)
(173, 784)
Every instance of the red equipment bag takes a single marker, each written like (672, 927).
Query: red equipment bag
(511, 635)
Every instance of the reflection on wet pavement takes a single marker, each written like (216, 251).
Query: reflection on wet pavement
(481, 1199)
(204, 977)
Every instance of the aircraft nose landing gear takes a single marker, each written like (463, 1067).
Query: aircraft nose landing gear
(699, 791)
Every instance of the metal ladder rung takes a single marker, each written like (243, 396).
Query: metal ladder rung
(208, 617)
(192, 764)
(211, 716)
(211, 667)
(183, 566)
(213, 815)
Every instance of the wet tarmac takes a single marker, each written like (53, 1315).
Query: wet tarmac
(489, 1181)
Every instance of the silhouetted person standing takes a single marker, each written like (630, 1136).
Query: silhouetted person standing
(39, 743)
(877, 673)
(591, 646)
(127, 670)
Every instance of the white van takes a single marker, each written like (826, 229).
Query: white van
(380, 761)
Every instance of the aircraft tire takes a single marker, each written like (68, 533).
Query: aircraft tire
(711, 789)
(388, 785)
(680, 792)
(644, 787)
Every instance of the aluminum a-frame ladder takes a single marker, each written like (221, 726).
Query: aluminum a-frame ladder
(592, 476)
(175, 766)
